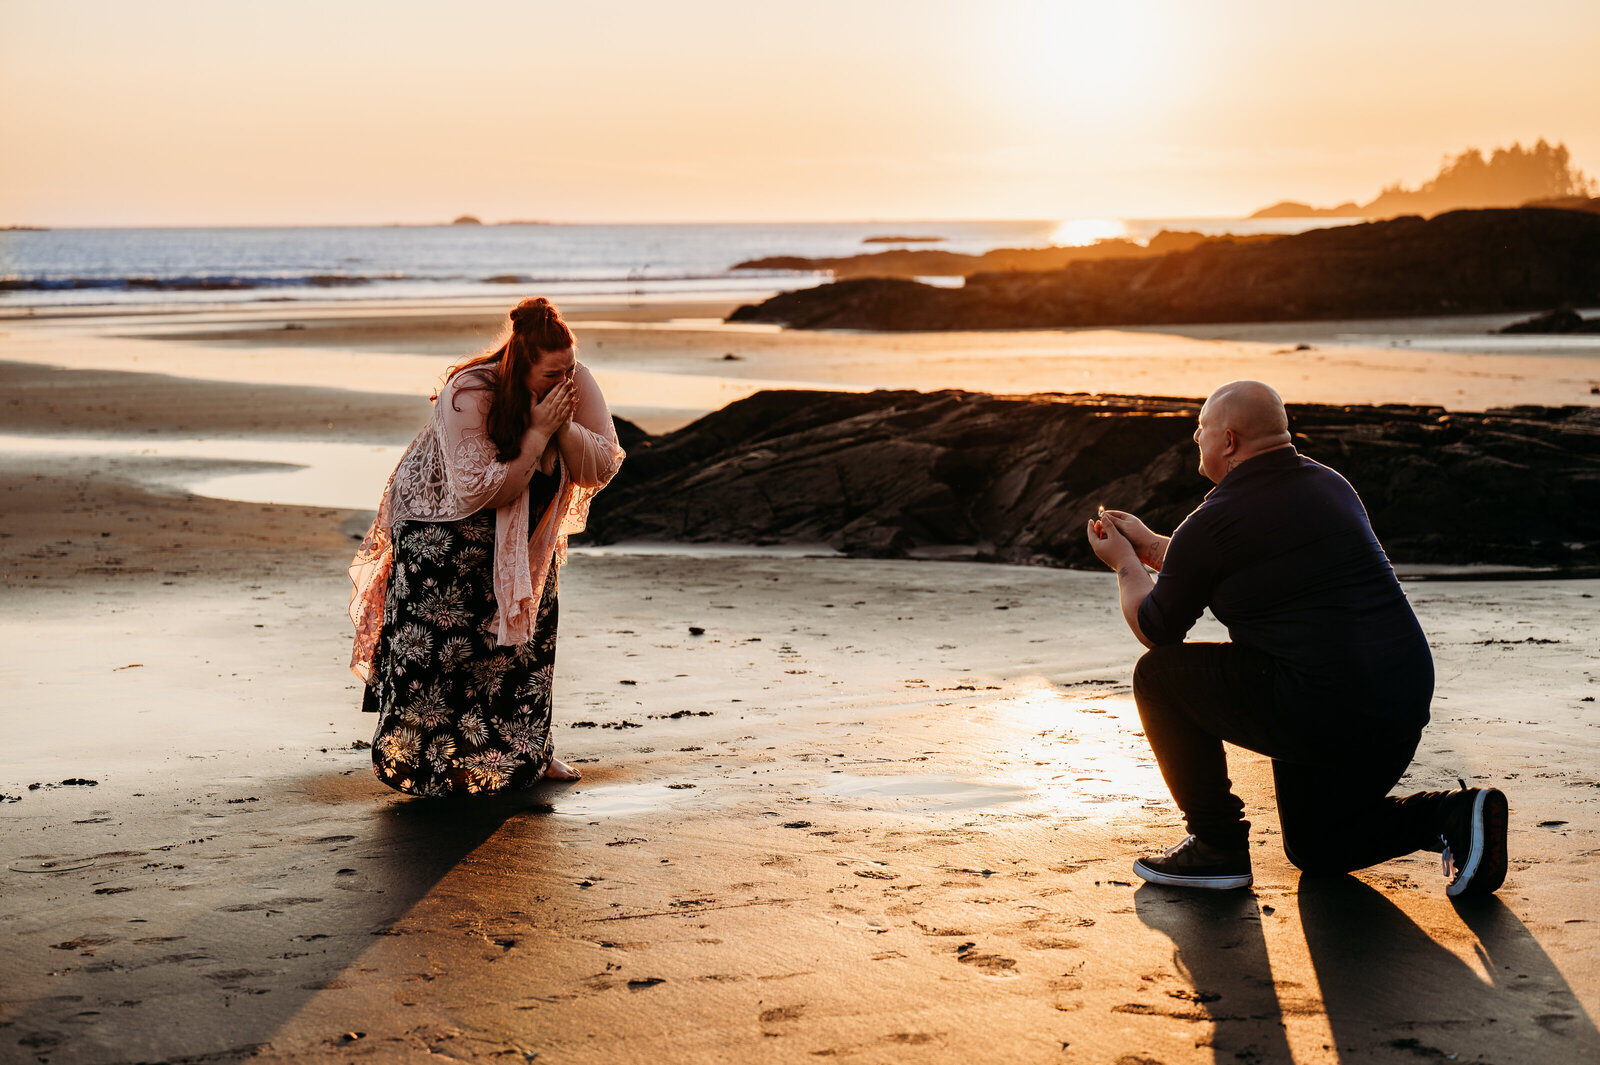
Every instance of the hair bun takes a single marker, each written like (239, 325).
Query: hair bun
(539, 308)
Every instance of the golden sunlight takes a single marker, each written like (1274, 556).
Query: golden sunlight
(1087, 60)
(1078, 232)
(1088, 749)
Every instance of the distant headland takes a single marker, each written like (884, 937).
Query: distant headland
(1460, 262)
(1508, 177)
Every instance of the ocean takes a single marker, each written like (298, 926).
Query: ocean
(178, 267)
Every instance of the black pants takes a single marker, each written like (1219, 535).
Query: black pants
(1332, 776)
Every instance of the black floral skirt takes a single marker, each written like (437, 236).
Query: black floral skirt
(457, 713)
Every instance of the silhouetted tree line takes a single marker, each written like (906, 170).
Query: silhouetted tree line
(1509, 177)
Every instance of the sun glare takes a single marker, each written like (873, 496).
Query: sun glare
(1078, 232)
(1086, 60)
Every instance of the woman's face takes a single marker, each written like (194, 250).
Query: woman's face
(552, 367)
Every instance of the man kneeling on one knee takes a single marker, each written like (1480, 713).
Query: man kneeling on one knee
(1327, 671)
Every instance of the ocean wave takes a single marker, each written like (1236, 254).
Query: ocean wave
(227, 283)
(183, 284)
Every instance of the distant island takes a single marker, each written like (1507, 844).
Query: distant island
(24, 229)
(467, 220)
(1509, 177)
(1460, 262)
(901, 240)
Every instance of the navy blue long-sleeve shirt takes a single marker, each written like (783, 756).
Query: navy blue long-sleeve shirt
(1283, 554)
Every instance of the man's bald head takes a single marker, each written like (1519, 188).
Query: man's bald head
(1239, 421)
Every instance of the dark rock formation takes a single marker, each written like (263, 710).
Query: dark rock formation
(1563, 321)
(1569, 203)
(1463, 262)
(629, 435)
(1014, 479)
(914, 262)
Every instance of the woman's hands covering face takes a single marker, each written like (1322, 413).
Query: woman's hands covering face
(554, 412)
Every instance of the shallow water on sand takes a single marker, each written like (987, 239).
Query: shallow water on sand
(308, 473)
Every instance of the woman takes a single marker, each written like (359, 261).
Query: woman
(455, 584)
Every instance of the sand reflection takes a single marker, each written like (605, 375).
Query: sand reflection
(1087, 751)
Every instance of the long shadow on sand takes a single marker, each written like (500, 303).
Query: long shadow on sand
(1219, 946)
(1389, 986)
(1389, 990)
(285, 911)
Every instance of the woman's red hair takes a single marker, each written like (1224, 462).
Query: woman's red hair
(536, 328)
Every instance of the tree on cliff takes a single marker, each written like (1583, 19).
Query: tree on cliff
(1509, 177)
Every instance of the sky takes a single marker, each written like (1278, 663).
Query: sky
(169, 112)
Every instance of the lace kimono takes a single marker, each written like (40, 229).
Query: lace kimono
(449, 473)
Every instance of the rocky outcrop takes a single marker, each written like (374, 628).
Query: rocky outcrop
(1555, 322)
(1014, 479)
(919, 262)
(1463, 262)
(1569, 203)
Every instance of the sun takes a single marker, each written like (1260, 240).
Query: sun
(1090, 60)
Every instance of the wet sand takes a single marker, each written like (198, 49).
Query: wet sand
(876, 811)
(664, 365)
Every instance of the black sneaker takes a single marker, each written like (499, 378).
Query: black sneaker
(1472, 827)
(1198, 865)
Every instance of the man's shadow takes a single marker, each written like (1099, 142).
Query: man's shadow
(1388, 985)
(1220, 948)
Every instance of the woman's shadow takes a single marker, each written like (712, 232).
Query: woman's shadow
(276, 926)
(1386, 986)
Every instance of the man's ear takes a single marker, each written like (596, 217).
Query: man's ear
(1230, 441)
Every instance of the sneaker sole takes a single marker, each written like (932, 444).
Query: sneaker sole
(1485, 867)
(1212, 883)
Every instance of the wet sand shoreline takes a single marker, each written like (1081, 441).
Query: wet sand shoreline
(901, 831)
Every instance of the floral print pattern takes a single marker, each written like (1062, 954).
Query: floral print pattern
(457, 713)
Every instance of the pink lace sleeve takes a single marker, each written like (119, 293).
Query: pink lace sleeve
(597, 456)
(369, 577)
(474, 473)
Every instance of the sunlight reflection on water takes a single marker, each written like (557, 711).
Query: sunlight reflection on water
(1079, 232)
(931, 791)
(1088, 748)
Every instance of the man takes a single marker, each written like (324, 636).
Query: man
(1327, 672)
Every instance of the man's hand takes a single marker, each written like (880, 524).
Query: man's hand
(1110, 545)
(1133, 583)
(1150, 547)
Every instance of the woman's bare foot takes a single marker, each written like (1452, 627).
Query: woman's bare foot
(560, 770)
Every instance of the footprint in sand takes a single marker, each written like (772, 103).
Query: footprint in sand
(988, 964)
(782, 1013)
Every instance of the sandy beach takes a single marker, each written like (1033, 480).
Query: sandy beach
(876, 810)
